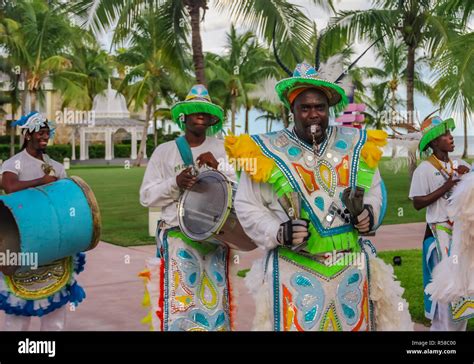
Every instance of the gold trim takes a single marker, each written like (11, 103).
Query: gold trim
(22, 290)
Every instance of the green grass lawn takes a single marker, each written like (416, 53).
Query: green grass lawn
(409, 273)
(124, 220)
(399, 208)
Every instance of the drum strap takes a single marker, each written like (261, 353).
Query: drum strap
(185, 151)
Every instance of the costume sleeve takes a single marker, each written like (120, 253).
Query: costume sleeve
(259, 219)
(158, 188)
(9, 166)
(374, 196)
(419, 184)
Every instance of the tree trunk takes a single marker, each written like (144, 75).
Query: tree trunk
(198, 57)
(247, 120)
(410, 104)
(33, 97)
(271, 125)
(465, 154)
(142, 149)
(155, 128)
(233, 110)
(25, 109)
(392, 102)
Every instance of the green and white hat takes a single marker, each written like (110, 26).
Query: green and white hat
(305, 77)
(198, 101)
(432, 128)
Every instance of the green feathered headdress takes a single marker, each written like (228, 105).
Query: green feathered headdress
(305, 76)
(198, 101)
(432, 128)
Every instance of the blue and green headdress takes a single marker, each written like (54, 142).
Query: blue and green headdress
(432, 128)
(33, 122)
(198, 101)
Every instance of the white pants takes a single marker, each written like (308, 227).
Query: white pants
(53, 321)
(442, 320)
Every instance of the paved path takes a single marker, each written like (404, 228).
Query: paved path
(114, 291)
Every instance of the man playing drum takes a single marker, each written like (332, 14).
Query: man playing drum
(45, 291)
(187, 283)
(317, 190)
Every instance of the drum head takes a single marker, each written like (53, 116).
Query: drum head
(204, 208)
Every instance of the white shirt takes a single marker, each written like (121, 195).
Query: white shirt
(260, 213)
(159, 188)
(427, 179)
(28, 168)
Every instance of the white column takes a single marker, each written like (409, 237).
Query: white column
(73, 143)
(108, 142)
(112, 147)
(87, 145)
(133, 154)
(83, 146)
(144, 149)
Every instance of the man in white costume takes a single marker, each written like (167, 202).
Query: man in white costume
(187, 284)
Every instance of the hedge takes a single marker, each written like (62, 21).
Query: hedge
(60, 151)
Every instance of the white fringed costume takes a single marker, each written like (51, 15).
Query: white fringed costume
(453, 277)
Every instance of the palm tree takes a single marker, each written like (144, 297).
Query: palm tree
(88, 74)
(46, 33)
(235, 74)
(12, 42)
(454, 66)
(154, 74)
(261, 16)
(418, 24)
(391, 75)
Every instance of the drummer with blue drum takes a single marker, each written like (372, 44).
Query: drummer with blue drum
(43, 292)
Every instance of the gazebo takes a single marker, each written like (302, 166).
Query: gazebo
(110, 115)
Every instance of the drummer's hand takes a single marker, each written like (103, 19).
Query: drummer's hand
(462, 169)
(208, 159)
(48, 179)
(185, 179)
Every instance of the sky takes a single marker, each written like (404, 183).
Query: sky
(216, 25)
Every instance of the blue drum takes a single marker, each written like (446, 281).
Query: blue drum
(55, 221)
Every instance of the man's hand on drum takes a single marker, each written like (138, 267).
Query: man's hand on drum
(48, 179)
(207, 159)
(293, 232)
(186, 180)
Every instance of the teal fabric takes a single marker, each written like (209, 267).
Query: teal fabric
(185, 151)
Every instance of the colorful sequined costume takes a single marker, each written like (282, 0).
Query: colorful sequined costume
(337, 282)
